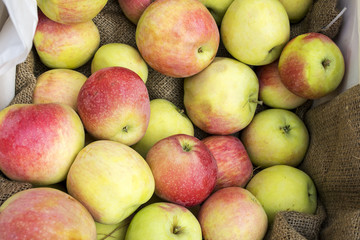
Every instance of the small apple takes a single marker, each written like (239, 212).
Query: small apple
(276, 136)
(232, 213)
(296, 9)
(65, 45)
(114, 104)
(184, 169)
(234, 165)
(112, 231)
(177, 38)
(283, 188)
(69, 12)
(272, 91)
(222, 99)
(255, 31)
(217, 8)
(311, 65)
(44, 213)
(39, 142)
(58, 86)
(133, 9)
(164, 220)
(111, 180)
(122, 55)
(165, 120)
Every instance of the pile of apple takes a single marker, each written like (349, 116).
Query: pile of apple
(132, 166)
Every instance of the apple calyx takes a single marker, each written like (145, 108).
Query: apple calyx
(176, 229)
(186, 147)
(286, 129)
(200, 50)
(125, 129)
(326, 63)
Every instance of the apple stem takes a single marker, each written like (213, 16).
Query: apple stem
(256, 101)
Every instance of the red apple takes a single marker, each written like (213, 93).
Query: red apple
(232, 213)
(114, 105)
(45, 213)
(134, 8)
(178, 38)
(184, 169)
(234, 165)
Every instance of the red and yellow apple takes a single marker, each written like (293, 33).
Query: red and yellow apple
(311, 65)
(45, 213)
(134, 8)
(39, 142)
(178, 38)
(114, 104)
(184, 169)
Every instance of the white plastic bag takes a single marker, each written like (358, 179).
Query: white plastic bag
(18, 20)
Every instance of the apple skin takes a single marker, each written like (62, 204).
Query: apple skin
(276, 136)
(311, 65)
(39, 142)
(233, 162)
(58, 86)
(65, 45)
(165, 120)
(232, 213)
(272, 91)
(111, 180)
(45, 213)
(217, 8)
(112, 231)
(177, 38)
(114, 104)
(222, 99)
(283, 188)
(70, 12)
(296, 9)
(122, 55)
(164, 220)
(255, 31)
(184, 169)
(133, 9)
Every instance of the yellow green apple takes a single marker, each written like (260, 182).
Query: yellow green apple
(296, 9)
(165, 120)
(222, 99)
(255, 31)
(111, 180)
(217, 8)
(122, 55)
(284, 188)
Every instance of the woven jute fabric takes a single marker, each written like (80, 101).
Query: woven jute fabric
(331, 160)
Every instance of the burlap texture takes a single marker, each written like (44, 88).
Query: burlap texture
(114, 27)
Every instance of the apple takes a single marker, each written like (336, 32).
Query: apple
(133, 9)
(58, 86)
(222, 99)
(232, 213)
(112, 231)
(65, 45)
(111, 180)
(177, 38)
(296, 9)
(255, 31)
(311, 65)
(114, 104)
(184, 169)
(276, 136)
(44, 213)
(69, 12)
(233, 162)
(272, 91)
(217, 8)
(284, 188)
(165, 120)
(39, 142)
(164, 220)
(122, 55)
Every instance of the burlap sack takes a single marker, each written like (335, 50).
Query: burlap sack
(114, 27)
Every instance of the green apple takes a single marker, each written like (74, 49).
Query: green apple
(284, 188)
(112, 231)
(165, 119)
(121, 55)
(296, 9)
(222, 99)
(276, 136)
(217, 8)
(255, 31)
(163, 221)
